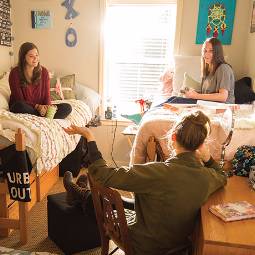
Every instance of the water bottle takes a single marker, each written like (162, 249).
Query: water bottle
(114, 112)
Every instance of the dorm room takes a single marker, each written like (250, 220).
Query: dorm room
(73, 50)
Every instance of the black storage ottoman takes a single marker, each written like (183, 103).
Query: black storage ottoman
(69, 227)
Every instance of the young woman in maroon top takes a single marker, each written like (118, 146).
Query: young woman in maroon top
(30, 86)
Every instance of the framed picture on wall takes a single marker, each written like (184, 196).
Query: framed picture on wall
(41, 19)
(253, 18)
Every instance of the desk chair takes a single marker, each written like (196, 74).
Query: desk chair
(112, 221)
(110, 217)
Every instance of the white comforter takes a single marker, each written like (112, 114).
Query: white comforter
(158, 122)
(46, 141)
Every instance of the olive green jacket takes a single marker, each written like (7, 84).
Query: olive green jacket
(168, 197)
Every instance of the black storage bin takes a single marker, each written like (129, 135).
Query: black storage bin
(69, 227)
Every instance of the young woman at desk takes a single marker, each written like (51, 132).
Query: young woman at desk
(168, 195)
(217, 77)
(30, 86)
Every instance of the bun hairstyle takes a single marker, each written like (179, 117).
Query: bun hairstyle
(192, 130)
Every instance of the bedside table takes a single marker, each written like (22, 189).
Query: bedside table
(130, 132)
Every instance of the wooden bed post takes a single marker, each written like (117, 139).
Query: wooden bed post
(23, 206)
(20, 223)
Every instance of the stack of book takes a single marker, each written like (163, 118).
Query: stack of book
(234, 211)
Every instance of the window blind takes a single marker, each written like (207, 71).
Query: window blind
(139, 42)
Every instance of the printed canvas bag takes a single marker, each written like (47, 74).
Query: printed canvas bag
(243, 159)
(15, 166)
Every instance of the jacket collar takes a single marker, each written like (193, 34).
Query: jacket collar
(188, 158)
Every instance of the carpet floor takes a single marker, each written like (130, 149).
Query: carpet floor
(38, 240)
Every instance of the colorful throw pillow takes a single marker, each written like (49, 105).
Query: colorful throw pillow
(190, 83)
(68, 86)
(243, 159)
(56, 92)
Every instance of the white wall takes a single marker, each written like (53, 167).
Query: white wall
(5, 61)
(250, 49)
(55, 55)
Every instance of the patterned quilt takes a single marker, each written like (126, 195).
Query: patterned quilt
(46, 141)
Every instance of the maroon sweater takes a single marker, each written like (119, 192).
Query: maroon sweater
(32, 94)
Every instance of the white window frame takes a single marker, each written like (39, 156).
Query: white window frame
(103, 6)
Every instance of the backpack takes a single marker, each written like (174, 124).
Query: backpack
(243, 159)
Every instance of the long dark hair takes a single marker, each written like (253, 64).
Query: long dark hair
(24, 49)
(218, 57)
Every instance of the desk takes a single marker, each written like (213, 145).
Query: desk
(215, 237)
(130, 132)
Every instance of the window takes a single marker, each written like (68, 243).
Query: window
(138, 45)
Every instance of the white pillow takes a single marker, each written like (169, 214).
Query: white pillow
(4, 87)
(3, 103)
(188, 64)
(89, 96)
(190, 83)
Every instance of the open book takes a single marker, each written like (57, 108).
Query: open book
(234, 211)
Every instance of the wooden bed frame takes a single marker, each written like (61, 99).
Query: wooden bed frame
(14, 214)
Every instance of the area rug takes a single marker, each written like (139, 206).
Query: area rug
(6, 251)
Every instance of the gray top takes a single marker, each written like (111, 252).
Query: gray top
(222, 79)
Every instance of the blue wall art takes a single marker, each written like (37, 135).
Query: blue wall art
(215, 18)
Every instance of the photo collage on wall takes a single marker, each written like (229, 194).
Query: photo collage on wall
(5, 23)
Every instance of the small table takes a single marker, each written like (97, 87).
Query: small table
(130, 132)
(217, 237)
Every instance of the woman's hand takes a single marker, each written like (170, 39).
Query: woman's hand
(84, 131)
(191, 93)
(203, 153)
(42, 109)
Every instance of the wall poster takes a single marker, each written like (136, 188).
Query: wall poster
(41, 19)
(215, 18)
(5, 23)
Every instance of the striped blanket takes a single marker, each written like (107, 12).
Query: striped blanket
(46, 141)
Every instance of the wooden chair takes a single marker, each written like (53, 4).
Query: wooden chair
(110, 217)
(7, 223)
(112, 223)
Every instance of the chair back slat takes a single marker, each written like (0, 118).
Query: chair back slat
(110, 217)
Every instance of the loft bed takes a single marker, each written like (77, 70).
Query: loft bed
(47, 144)
(153, 128)
(9, 219)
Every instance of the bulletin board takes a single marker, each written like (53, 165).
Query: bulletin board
(5, 23)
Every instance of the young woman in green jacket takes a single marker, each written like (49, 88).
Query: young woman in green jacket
(168, 195)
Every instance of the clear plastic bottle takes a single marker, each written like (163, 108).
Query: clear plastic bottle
(114, 112)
